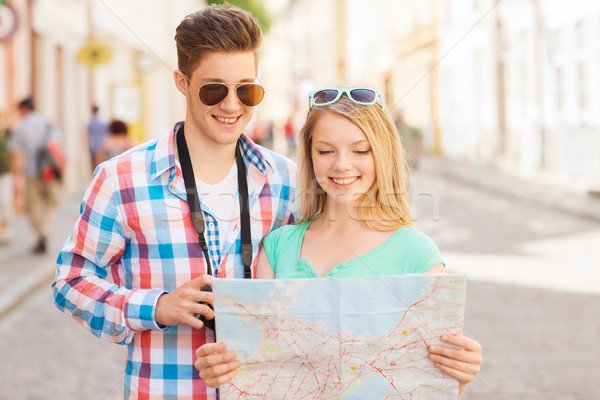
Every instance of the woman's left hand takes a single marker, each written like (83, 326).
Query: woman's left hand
(461, 362)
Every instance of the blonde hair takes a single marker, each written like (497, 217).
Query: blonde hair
(385, 206)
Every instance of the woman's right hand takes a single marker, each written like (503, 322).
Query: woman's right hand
(215, 365)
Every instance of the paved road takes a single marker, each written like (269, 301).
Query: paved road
(46, 355)
(534, 290)
(539, 342)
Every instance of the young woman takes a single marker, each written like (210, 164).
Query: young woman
(354, 219)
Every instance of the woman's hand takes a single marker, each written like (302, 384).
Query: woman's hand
(215, 365)
(461, 362)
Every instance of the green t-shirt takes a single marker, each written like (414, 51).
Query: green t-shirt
(407, 251)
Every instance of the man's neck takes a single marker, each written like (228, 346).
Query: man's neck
(211, 162)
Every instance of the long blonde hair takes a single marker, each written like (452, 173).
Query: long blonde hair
(385, 206)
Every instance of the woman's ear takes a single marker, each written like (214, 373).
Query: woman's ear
(181, 81)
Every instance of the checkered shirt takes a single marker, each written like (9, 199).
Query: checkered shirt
(135, 240)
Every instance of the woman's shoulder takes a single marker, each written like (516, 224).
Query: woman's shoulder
(412, 236)
(414, 250)
(288, 231)
(283, 241)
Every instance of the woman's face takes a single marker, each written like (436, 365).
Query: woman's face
(342, 158)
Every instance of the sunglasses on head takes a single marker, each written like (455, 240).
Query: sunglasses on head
(325, 97)
(249, 94)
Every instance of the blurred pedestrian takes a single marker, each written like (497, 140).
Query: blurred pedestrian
(159, 220)
(6, 183)
(97, 133)
(30, 136)
(269, 134)
(257, 134)
(116, 142)
(412, 139)
(290, 136)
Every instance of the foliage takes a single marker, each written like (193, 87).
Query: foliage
(256, 7)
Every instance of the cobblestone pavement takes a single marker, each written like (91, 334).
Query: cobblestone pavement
(537, 344)
(46, 355)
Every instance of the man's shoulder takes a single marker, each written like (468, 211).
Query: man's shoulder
(276, 163)
(135, 161)
(31, 119)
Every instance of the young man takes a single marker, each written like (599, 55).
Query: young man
(133, 270)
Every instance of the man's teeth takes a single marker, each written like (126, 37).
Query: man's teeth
(226, 120)
(344, 181)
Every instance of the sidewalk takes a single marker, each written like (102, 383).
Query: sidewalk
(578, 204)
(21, 273)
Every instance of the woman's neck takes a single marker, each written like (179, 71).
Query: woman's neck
(339, 217)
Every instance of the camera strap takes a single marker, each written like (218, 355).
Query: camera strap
(196, 211)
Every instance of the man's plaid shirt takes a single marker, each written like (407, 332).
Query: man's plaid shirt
(134, 240)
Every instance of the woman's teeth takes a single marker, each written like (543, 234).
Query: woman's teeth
(344, 181)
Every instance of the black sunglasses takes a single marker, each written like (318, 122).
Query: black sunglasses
(249, 94)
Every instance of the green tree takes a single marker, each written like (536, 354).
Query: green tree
(256, 7)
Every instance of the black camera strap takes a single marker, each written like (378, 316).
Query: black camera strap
(196, 211)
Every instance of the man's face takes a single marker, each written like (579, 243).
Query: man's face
(222, 123)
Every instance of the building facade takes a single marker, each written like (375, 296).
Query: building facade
(42, 60)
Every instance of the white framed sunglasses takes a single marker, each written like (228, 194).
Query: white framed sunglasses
(362, 96)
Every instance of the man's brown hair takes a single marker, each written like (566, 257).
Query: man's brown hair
(222, 28)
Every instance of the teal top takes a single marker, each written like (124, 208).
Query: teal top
(407, 251)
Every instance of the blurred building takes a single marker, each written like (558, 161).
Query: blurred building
(516, 87)
(127, 71)
(507, 83)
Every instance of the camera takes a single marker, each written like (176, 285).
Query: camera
(209, 323)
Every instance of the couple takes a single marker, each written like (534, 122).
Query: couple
(143, 248)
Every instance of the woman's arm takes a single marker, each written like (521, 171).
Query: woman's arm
(263, 266)
(461, 361)
(436, 269)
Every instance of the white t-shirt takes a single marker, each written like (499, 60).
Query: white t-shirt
(221, 200)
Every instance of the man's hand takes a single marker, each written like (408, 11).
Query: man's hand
(179, 306)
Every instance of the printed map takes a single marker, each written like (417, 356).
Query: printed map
(316, 339)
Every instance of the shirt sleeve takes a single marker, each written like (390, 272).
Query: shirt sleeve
(80, 287)
(289, 195)
(16, 142)
(426, 254)
(269, 243)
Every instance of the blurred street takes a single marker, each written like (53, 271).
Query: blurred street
(532, 300)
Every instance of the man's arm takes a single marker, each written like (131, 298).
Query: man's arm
(17, 166)
(107, 310)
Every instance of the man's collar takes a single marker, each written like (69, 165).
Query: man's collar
(164, 154)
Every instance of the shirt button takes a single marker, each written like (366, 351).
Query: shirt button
(211, 224)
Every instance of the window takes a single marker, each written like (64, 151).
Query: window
(580, 36)
(582, 92)
(560, 97)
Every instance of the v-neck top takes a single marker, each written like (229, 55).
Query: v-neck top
(407, 251)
